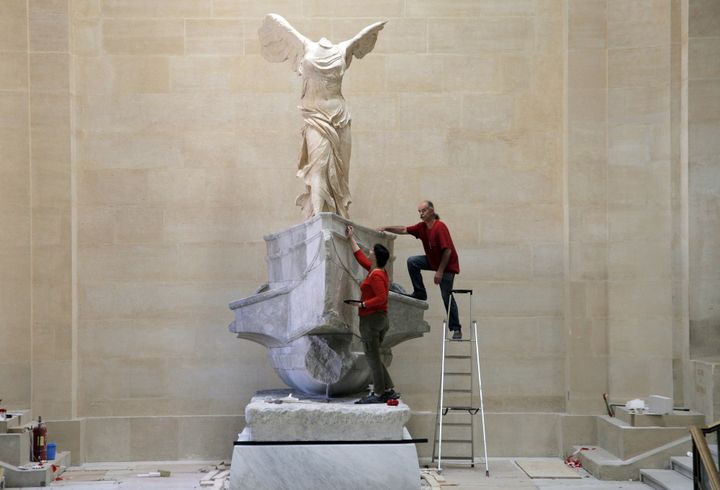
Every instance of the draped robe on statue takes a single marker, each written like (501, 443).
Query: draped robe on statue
(325, 153)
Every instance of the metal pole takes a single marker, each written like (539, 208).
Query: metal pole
(442, 395)
(482, 408)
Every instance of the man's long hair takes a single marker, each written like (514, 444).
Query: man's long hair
(432, 206)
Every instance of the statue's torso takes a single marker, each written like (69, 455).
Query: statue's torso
(322, 69)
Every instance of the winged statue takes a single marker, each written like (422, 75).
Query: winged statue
(324, 164)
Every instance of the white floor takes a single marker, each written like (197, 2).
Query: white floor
(504, 474)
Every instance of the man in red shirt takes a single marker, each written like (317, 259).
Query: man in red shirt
(440, 256)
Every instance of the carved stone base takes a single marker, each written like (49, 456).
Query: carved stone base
(312, 336)
(309, 419)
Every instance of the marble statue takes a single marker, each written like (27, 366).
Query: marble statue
(324, 162)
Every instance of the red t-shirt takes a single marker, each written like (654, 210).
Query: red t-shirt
(374, 289)
(435, 240)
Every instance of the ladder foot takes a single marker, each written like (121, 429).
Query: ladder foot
(487, 473)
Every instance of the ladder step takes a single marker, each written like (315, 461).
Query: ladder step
(474, 410)
(457, 424)
(456, 357)
(448, 390)
(458, 340)
(457, 374)
(456, 441)
(464, 458)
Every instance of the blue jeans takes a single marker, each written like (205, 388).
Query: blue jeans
(419, 263)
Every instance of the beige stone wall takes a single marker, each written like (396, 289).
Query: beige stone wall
(147, 147)
(52, 197)
(14, 206)
(679, 200)
(172, 181)
(587, 203)
(490, 157)
(639, 199)
(620, 295)
(186, 149)
(704, 165)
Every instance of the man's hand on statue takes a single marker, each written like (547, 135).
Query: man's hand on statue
(349, 231)
(438, 277)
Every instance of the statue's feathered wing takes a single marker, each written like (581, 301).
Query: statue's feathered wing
(363, 42)
(279, 41)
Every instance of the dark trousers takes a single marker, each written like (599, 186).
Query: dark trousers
(419, 263)
(372, 331)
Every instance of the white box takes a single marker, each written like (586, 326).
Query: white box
(660, 405)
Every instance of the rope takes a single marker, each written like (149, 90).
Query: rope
(341, 263)
(311, 266)
(314, 263)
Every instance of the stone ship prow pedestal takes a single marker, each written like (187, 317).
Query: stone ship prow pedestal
(314, 345)
(312, 336)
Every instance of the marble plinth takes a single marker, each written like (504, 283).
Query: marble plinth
(323, 444)
(310, 420)
(312, 336)
(325, 466)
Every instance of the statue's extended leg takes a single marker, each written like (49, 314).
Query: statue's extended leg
(343, 198)
(318, 204)
(320, 156)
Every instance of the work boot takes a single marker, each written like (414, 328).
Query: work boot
(391, 395)
(371, 398)
(457, 334)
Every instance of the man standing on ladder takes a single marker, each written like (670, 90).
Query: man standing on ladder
(440, 256)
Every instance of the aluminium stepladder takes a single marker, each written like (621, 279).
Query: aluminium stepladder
(461, 360)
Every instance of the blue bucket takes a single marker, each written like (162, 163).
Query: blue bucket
(51, 447)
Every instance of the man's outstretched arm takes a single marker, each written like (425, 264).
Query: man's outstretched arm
(398, 230)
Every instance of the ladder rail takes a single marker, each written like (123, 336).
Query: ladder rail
(482, 407)
(442, 396)
(441, 411)
(473, 338)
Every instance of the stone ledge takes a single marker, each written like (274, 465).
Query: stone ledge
(604, 465)
(678, 418)
(626, 441)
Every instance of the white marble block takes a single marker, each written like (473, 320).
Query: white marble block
(325, 467)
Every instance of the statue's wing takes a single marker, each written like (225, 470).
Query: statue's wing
(362, 43)
(279, 41)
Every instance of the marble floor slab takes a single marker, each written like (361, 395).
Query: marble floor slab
(553, 468)
(505, 475)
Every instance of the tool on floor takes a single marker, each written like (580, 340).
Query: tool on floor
(457, 372)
